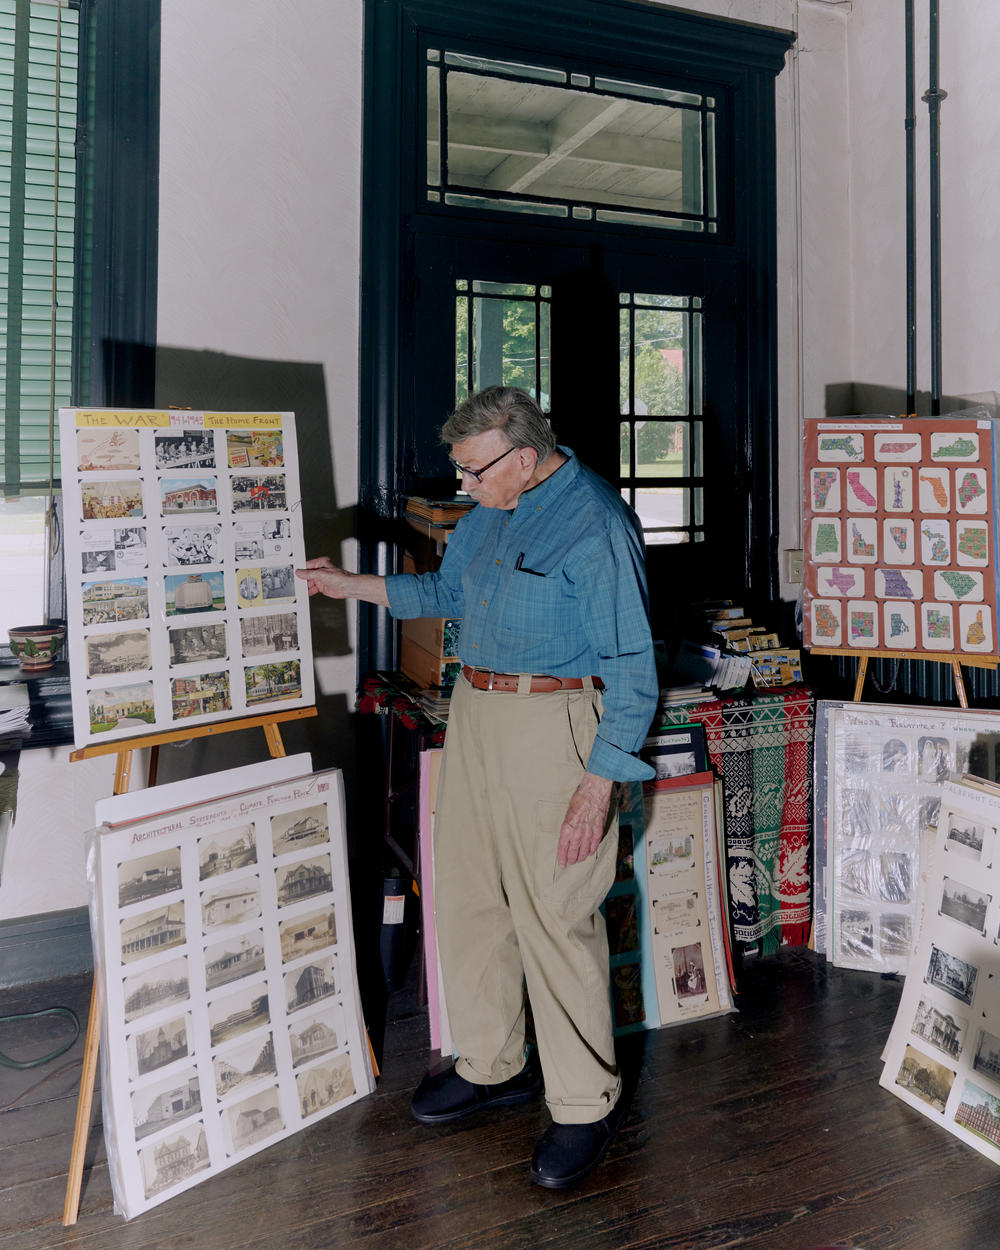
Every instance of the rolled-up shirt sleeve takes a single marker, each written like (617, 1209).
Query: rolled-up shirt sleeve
(432, 594)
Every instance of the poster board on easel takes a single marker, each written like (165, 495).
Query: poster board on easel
(182, 533)
(224, 949)
(900, 525)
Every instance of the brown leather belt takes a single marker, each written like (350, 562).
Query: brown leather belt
(541, 683)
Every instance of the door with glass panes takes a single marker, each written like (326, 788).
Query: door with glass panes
(636, 361)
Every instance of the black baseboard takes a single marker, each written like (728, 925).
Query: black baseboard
(39, 948)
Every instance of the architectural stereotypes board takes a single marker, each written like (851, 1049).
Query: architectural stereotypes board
(183, 532)
(943, 1054)
(230, 1013)
(899, 533)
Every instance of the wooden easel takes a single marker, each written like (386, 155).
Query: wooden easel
(123, 749)
(955, 662)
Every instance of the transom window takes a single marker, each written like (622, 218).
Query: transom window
(661, 387)
(537, 139)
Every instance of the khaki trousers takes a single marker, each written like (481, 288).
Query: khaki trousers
(506, 913)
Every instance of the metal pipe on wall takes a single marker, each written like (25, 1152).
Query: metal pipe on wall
(911, 217)
(933, 97)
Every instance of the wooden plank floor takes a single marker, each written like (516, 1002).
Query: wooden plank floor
(765, 1130)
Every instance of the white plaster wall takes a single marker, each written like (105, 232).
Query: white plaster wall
(260, 201)
(970, 184)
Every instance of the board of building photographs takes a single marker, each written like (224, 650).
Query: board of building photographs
(183, 531)
(230, 1008)
(900, 527)
(885, 768)
(943, 1054)
(682, 903)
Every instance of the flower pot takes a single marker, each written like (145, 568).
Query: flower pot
(36, 646)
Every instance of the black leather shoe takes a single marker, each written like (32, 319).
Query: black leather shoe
(569, 1152)
(446, 1096)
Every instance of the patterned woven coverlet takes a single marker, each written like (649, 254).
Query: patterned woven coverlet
(761, 747)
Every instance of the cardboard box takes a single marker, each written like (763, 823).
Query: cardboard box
(425, 668)
(438, 635)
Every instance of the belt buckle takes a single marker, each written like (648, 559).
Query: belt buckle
(489, 685)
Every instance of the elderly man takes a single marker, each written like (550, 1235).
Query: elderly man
(557, 690)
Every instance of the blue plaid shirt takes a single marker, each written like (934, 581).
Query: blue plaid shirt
(558, 585)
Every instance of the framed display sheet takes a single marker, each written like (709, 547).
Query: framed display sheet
(886, 767)
(183, 532)
(683, 907)
(943, 1054)
(900, 524)
(224, 955)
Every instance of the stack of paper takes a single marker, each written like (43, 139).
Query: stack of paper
(14, 723)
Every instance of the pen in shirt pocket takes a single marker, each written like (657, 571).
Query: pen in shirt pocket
(519, 566)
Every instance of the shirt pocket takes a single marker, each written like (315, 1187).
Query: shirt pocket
(535, 607)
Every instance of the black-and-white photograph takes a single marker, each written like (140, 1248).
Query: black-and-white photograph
(126, 651)
(307, 826)
(944, 1030)
(857, 873)
(324, 1085)
(263, 492)
(165, 1104)
(234, 958)
(987, 1056)
(304, 934)
(858, 817)
(895, 935)
(965, 836)
(951, 974)
(963, 903)
(232, 903)
(311, 983)
(930, 809)
(98, 560)
(158, 930)
(162, 1044)
(314, 1035)
(303, 879)
(245, 1062)
(223, 852)
(155, 988)
(155, 874)
(855, 754)
(269, 635)
(689, 971)
(934, 758)
(262, 538)
(191, 544)
(925, 1078)
(167, 1163)
(194, 449)
(113, 551)
(857, 934)
(193, 644)
(895, 756)
(237, 1013)
(255, 1119)
(898, 812)
(895, 876)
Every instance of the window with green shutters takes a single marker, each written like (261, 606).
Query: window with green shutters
(38, 119)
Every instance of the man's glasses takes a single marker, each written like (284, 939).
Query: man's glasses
(478, 473)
